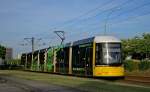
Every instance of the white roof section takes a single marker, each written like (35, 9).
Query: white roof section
(101, 39)
(97, 39)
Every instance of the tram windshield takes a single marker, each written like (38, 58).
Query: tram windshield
(108, 53)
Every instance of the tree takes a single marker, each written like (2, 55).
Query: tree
(2, 52)
(146, 44)
(137, 47)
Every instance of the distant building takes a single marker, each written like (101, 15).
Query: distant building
(9, 54)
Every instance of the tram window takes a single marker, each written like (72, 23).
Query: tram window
(98, 54)
(108, 54)
(75, 56)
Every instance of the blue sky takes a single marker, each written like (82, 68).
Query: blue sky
(78, 18)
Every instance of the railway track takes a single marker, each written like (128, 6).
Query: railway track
(138, 79)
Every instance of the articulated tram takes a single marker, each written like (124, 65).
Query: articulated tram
(99, 56)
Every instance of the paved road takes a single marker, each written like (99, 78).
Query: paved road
(12, 84)
(6, 86)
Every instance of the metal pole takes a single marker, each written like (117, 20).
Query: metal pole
(107, 18)
(32, 41)
(26, 61)
(32, 44)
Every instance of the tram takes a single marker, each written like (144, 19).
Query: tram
(98, 56)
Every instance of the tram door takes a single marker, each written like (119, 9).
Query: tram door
(88, 61)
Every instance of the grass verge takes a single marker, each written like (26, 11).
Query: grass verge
(84, 84)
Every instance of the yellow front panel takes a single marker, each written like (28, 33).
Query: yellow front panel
(108, 71)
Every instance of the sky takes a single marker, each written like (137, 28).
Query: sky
(79, 19)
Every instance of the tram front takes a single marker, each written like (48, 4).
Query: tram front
(108, 62)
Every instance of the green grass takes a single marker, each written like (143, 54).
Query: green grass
(85, 84)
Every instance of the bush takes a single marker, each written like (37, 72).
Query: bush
(144, 65)
(134, 65)
(14, 62)
(128, 65)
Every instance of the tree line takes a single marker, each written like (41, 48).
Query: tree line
(2, 52)
(137, 47)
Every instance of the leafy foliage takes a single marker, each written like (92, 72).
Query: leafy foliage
(128, 65)
(2, 52)
(137, 47)
(132, 65)
(14, 62)
(144, 65)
